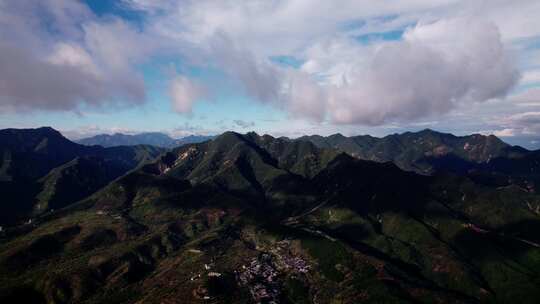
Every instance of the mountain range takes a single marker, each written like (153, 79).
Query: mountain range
(412, 151)
(41, 170)
(149, 138)
(485, 159)
(420, 217)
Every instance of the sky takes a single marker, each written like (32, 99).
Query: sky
(286, 68)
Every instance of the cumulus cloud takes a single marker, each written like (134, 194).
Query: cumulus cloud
(287, 26)
(184, 93)
(507, 132)
(441, 63)
(259, 78)
(525, 124)
(66, 54)
(435, 68)
(304, 97)
(529, 120)
(57, 55)
(515, 22)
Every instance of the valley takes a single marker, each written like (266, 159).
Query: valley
(245, 218)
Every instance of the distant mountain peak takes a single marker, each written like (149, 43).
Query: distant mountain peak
(252, 133)
(29, 139)
(428, 130)
(41, 130)
(47, 128)
(337, 135)
(416, 150)
(228, 135)
(157, 139)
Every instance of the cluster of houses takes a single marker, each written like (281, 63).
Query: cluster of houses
(260, 277)
(287, 261)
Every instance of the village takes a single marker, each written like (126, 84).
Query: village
(262, 276)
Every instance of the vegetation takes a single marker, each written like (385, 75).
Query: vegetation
(253, 219)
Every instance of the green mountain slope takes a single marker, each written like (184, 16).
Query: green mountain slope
(73, 181)
(240, 220)
(486, 159)
(39, 168)
(413, 151)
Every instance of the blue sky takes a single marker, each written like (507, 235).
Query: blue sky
(280, 67)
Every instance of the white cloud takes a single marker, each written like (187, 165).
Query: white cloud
(516, 19)
(524, 124)
(453, 55)
(436, 68)
(530, 97)
(184, 93)
(258, 77)
(59, 56)
(75, 56)
(505, 132)
(271, 27)
(117, 44)
(303, 97)
(530, 77)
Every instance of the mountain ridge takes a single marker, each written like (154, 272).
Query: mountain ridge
(148, 138)
(28, 155)
(248, 218)
(409, 149)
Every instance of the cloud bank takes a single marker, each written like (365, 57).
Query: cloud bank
(57, 55)
(440, 63)
(434, 69)
(521, 124)
(443, 55)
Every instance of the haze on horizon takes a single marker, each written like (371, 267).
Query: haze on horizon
(281, 67)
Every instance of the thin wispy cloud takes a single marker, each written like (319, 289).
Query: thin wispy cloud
(243, 124)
